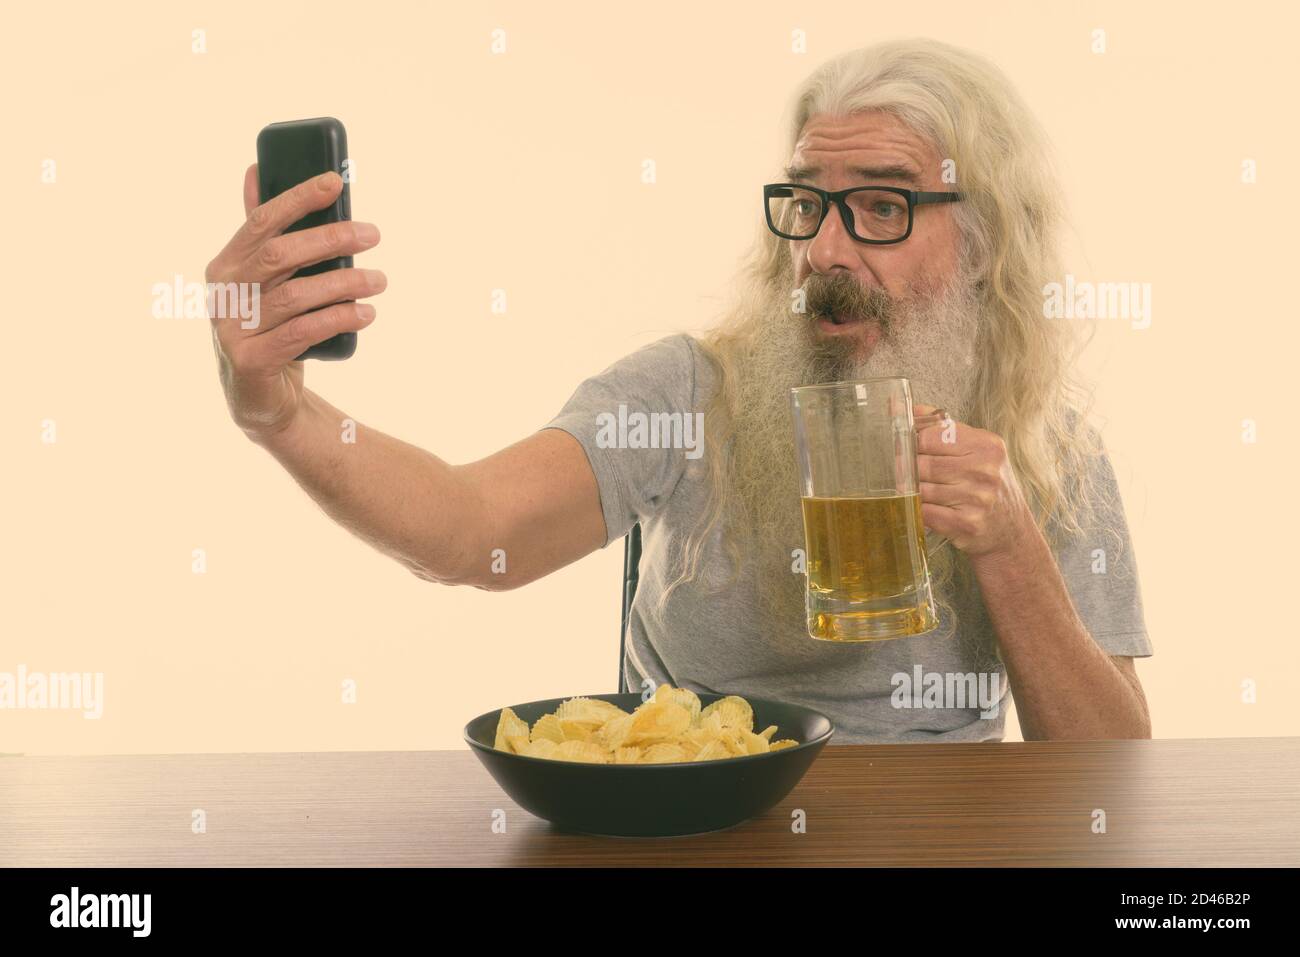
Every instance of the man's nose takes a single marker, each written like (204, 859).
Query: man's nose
(833, 245)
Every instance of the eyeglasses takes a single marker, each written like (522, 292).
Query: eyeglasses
(883, 213)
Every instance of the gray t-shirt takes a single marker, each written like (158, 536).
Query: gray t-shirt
(709, 641)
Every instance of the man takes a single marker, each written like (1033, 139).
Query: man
(935, 273)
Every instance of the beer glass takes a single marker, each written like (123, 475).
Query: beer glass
(866, 547)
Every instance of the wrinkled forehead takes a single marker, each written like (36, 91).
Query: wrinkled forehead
(869, 147)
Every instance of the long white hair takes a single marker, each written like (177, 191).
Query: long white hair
(1023, 386)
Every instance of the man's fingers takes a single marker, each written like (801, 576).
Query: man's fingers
(289, 340)
(938, 469)
(267, 220)
(930, 442)
(281, 256)
(925, 420)
(292, 298)
(251, 190)
(941, 494)
(279, 212)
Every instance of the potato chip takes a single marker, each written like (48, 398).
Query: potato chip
(547, 728)
(691, 748)
(588, 709)
(613, 733)
(656, 721)
(712, 723)
(712, 751)
(577, 729)
(681, 696)
(583, 751)
(669, 728)
(733, 711)
(664, 753)
(509, 725)
(697, 737)
(541, 748)
(733, 740)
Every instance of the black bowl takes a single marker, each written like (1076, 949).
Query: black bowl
(653, 800)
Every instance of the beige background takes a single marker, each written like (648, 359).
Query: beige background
(456, 153)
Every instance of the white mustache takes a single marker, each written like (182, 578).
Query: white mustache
(877, 307)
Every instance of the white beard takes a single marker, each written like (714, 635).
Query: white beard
(929, 339)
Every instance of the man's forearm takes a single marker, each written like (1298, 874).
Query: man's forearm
(404, 501)
(1065, 686)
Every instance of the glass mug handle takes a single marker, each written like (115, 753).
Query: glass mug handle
(933, 541)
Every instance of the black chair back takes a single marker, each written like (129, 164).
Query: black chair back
(631, 573)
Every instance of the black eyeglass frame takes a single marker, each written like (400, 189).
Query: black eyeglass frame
(914, 198)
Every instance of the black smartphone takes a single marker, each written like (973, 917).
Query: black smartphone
(287, 154)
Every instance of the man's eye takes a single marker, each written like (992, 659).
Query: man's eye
(884, 210)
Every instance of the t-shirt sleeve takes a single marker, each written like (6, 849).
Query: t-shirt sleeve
(635, 480)
(1100, 571)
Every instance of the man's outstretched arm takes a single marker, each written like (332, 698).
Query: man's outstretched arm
(536, 500)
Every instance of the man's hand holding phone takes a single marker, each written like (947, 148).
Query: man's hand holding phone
(262, 381)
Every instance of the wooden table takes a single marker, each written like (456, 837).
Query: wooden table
(1213, 802)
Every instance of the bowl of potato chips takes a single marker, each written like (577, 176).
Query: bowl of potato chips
(631, 766)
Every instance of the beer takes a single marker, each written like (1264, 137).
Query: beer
(865, 543)
(866, 559)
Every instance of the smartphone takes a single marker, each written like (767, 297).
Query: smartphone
(297, 150)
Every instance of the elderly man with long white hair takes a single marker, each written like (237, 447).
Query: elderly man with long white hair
(928, 229)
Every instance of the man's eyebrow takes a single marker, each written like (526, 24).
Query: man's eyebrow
(868, 174)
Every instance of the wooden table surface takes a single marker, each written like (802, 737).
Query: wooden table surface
(1210, 802)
